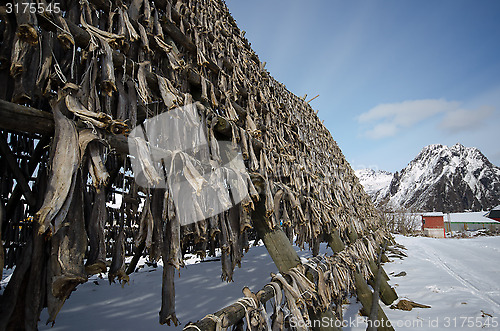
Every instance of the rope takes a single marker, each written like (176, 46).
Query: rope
(194, 326)
(217, 320)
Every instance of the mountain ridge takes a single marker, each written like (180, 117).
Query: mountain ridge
(439, 178)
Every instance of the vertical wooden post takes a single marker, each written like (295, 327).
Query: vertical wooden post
(335, 242)
(285, 257)
(352, 234)
(365, 296)
(363, 291)
(387, 293)
(277, 244)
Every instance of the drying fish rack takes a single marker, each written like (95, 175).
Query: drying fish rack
(75, 81)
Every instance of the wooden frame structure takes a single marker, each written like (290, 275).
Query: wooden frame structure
(74, 82)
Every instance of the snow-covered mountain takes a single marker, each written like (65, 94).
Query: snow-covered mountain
(440, 178)
(375, 182)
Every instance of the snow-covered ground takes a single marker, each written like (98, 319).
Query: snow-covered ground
(199, 291)
(458, 278)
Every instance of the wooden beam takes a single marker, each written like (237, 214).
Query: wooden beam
(25, 119)
(32, 120)
(230, 315)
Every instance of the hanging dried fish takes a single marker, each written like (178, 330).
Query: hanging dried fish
(252, 128)
(254, 162)
(110, 38)
(117, 268)
(144, 158)
(63, 33)
(46, 61)
(65, 268)
(162, 45)
(204, 90)
(292, 298)
(168, 93)
(142, 87)
(173, 234)
(96, 259)
(157, 210)
(167, 312)
(214, 145)
(146, 12)
(132, 102)
(230, 111)
(64, 162)
(157, 28)
(108, 85)
(98, 171)
(145, 224)
(26, 21)
(269, 200)
(254, 194)
(305, 286)
(278, 317)
(170, 258)
(246, 206)
(213, 99)
(144, 38)
(100, 120)
(255, 314)
(276, 203)
(244, 144)
(125, 27)
(235, 134)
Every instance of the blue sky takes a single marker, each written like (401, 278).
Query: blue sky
(393, 76)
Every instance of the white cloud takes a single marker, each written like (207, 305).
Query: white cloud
(465, 119)
(388, 119)
(382, 130)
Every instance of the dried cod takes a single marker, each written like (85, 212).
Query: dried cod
(64, 163)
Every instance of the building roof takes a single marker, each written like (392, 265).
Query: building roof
(473, 217)
(433, 214)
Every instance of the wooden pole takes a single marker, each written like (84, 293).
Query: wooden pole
(365, 296)
(375, 297)
(277, 244)
(283, 254)
(363, 291)
(230, 315)
(25, 119)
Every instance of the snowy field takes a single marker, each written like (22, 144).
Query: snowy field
(458, 278)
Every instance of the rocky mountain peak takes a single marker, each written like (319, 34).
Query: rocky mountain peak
(439, 178)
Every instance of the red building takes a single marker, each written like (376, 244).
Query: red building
(433, 225)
